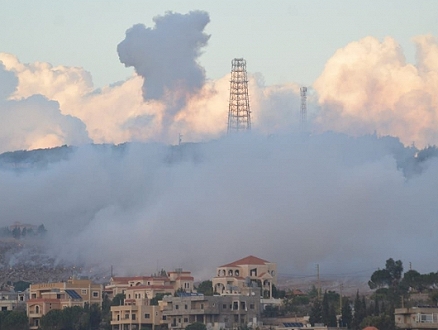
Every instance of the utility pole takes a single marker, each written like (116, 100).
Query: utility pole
(319, 282)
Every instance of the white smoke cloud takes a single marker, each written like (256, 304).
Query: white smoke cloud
(367, 86)
(330, 199)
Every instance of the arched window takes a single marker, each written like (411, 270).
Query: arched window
(230, 272)
(236, 272)
(37, 309)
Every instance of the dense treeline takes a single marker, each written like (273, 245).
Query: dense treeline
(24, 232)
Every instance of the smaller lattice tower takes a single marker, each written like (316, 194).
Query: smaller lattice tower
(239, 113)
(303, 109)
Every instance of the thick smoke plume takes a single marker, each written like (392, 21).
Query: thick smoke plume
(342, 202)
(166, 55)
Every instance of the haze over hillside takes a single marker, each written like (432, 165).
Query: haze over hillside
(347, 194)
(344, 203)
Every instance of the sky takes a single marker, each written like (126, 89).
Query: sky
(285, 40)
(110, 72)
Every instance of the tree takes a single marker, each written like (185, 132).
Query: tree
(21, 286)
(346, 314)
(380, 322)
(196, 326)
(277, 293)
(118, 299)
(159, 296)
(15, 320)
(325, 309)
(315, 315)
(52, 320)
(206, 288)
(359, 311)
(332, 320)
(41, 231)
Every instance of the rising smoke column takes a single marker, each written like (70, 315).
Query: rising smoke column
(369, 87)
(166, 55)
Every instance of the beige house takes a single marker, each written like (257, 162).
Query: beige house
(149, 286)
(217, 312)
(416, 318)
(44, 297)
(238, 276)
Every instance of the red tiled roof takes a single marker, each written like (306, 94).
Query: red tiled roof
(185, 278)
(249, 260)
(126, 279)
(149, 287)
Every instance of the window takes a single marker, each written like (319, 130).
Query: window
(4, 308)
(235, 305)
(187, 285)
(133, 316)
(185, 306)
(147, 316)
(84, 291)
(176, 307)
(251, 306)
(164, 318)
(224, 306)
(37, 323)
(126, 316)
(37, 309)
(202, 306)
(95, 294)
(186, 320)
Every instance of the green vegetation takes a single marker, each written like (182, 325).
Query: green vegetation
(196, 326)
(72, 318)
(206, 288)
(13, 320)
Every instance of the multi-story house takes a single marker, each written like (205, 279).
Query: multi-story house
(11, 300)
(151, 285)
(219, 312)
(238, 276)
(44, 297)
(425, 317)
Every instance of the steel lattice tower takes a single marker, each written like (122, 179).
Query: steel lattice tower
(239, 113)
(303, 112)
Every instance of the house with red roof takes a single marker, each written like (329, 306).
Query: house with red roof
(171, 282)
(241, 275)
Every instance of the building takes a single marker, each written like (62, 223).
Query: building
(425, 317)
(238, 276)
(12, 300)
(150, 286)
(217, 312)
(44, 297)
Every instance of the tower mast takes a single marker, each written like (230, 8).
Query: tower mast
(239, 113)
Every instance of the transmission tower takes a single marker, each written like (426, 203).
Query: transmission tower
(239, 113)
(303, 112)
